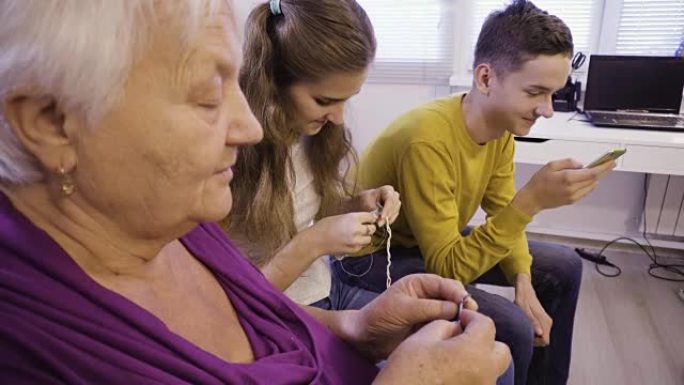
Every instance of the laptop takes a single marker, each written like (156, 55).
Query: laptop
(635, 92)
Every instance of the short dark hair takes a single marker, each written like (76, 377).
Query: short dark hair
(518, 33)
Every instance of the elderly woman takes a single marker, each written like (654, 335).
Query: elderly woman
(120, 123)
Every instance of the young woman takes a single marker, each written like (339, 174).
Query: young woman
(302, 61)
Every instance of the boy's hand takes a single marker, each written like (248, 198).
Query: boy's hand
(559, 183)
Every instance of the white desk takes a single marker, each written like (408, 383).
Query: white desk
(614, 209)
(648, 151)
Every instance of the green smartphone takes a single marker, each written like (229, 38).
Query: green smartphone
(608, 156)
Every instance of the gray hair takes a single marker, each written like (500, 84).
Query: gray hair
(79, 52)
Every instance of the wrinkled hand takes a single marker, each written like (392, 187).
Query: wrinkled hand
(444, 352)
(407, 305)
(559, 183)
(527, 300)
(342, 234)
(368, 200)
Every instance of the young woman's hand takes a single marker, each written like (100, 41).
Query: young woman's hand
(342, 234)
(385, 196)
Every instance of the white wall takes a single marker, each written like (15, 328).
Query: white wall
(242, 9)
(377, 105)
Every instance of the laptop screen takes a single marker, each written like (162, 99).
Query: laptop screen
(648, 83)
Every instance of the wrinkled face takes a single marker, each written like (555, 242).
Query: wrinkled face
(162, 156)
(315, 104)
(518, 98)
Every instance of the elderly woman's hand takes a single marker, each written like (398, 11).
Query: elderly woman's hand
(383, 324)
(444, 352)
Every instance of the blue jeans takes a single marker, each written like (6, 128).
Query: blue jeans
(344, 297)
(556, 278)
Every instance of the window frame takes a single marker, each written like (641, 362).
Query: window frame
(412, 72)
(604, 28)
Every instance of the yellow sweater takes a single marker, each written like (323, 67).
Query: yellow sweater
(443, 176)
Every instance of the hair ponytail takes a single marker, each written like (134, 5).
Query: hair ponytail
(259, 171)
(310, 40)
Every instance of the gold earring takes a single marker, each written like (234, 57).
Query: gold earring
(66, 185)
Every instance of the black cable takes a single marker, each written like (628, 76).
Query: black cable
(677, 269)
(599, 259)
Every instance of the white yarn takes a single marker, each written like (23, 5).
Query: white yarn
(389, 256)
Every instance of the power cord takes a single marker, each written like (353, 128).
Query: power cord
(674, 269)
(599, 260)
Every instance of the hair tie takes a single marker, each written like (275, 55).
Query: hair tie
(275, 7)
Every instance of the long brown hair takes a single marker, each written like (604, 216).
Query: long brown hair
(310, 40)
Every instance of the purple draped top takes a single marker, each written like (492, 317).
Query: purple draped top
(58, 326)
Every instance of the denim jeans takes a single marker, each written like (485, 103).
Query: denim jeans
(344, 296)
(556, 278)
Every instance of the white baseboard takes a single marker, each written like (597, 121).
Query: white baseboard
(606, 237)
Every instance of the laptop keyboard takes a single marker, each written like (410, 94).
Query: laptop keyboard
(642, 118)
